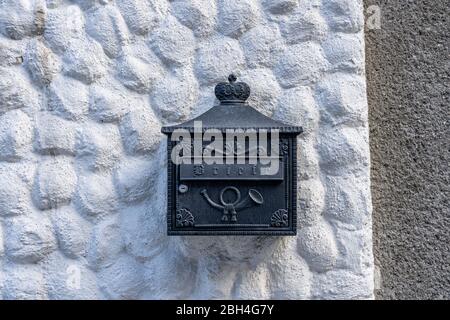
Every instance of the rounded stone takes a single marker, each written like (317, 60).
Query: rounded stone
(316, 244)
(69, 279)
(134, 179)
(16, 134)
(174, 96)
(355, 249)
(105, 244)
(55, 183)
(173, 43)
(106, 25)
(348, 200)
(297, 106)
(54, 135)
(216, 59)
(310, 202)
(72, 232)
(20, 18)
(84, 60)
(41, 63)
(123, 279)
(237, 16)
(343, 284)
(52, 4)
(262, 46)
(343, 100)
(252, 283)
(197, 15)
(68, 98)
(107, 105)
(307, 159)
(300, 64)
(264, 90)
(24, 170)
(14, 194)
(343, 151)
(142, 16)
(96, 196)
(137, 75)
(140, 131)
(304, 25)
(16, 91)
(89, 4)
(2, 248)
(216, 279)
(11, 52)
(142, 227)
(29, 239)
(63, 26)
(24, 282)
(236, 250)
(280, 6)
(99, 146)
(290, 277)
(345, 52)
(158, 275)
(246, 249)
(344, 15)
(206, 100)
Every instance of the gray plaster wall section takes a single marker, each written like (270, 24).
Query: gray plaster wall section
(408, 90)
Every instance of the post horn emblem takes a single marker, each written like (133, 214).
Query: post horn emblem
(230, 209)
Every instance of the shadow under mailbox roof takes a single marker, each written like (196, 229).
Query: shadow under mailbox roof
(234, 116)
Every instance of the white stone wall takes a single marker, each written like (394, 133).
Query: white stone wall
(86, 85)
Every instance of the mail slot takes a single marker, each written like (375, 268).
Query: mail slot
(232, 170)
(226, 172)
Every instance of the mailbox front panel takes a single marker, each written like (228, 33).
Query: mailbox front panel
(233, 199)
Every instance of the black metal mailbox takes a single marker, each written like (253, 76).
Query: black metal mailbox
(232, 170)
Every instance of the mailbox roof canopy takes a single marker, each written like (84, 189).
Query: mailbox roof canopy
(233, 113)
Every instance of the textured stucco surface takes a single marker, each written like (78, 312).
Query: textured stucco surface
(408, 90)
(84, 89)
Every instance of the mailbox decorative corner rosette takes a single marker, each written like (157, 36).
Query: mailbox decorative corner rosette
(232, 170)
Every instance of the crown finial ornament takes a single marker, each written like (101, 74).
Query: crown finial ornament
(232, 92)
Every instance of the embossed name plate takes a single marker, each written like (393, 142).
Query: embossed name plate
(230, 172)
